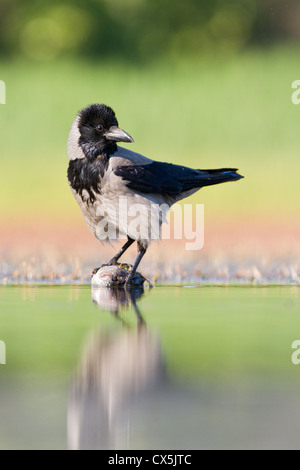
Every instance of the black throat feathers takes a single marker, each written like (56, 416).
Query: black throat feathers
(85, 175)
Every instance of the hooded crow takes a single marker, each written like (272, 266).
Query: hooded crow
(101, 173)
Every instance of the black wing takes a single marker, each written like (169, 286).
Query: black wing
(171, 179)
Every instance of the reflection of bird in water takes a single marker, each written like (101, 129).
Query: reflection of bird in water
(116, 299)
(115, 368)
(122, 398)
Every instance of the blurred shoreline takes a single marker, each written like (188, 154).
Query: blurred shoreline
(235, 250)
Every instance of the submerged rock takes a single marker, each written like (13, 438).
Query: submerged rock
(116, 276)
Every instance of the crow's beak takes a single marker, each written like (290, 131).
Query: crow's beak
(118, 135)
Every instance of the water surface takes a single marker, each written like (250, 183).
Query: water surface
(169, 368)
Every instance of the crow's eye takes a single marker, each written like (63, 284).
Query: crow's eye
(99, 128)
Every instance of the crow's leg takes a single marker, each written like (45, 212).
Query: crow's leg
(141, 251)
(114, 260)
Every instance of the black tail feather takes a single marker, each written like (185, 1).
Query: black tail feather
(221, 175)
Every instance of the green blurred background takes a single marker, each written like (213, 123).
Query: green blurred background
(205, 84)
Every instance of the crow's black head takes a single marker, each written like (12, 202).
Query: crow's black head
(99, 131)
